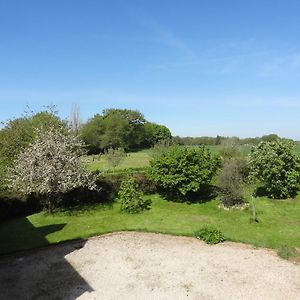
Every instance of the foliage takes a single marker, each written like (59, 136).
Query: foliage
(131, 198)
(230, 183)
(155, 133)
(277, 166)
(115, 156)
(17, 135)
(182, 170)
(91, 132)
(210, 236)
(123, 128)
(160, 147)
(114, 128)
(50, 166)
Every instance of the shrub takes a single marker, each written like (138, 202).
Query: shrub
(145, 184)
(210, 236)
(277, 166)
(230, 183)
(131, 198)
(181, 170)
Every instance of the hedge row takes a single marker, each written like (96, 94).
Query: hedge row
(12, 205)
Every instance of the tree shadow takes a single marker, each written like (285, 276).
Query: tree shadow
(38, 274)
(206, 194)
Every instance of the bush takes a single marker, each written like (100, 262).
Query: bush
(277, 166)
(210, 236)
(230, 184)
(131, 198)
(145, 184)
(181, 170)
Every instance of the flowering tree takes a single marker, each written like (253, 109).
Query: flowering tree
(277, 166)
(49, 167)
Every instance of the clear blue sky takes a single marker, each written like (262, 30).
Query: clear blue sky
(200, 67)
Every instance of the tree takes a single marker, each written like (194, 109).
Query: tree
(49, 167)
(230, 183)
(115, 156)
(114, 128)
(122, 128)
(91, 132)
(17, 134)
(155, 133)
(75, 120)
(182, 170)
(277, 166)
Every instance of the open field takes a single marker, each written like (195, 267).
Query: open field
(134, 160)
(278, 225)
(140, 159)
(135, 265)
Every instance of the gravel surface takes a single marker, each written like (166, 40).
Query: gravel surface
(134, 265)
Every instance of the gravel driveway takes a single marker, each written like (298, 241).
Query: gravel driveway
(134, 265)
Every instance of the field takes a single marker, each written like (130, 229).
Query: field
(136, 160)
(140, 159)
(278, 225)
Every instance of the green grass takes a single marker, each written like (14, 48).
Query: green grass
(134, 160)
(139, 159)
(279, 223)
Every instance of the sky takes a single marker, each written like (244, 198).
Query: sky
(213, 67)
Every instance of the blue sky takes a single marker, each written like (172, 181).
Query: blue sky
(199, 67)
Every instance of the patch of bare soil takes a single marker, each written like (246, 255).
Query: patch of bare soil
(134, 265)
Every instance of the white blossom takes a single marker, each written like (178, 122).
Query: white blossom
(51, 166)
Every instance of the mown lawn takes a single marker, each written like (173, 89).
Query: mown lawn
(279, 223)
(136, 160)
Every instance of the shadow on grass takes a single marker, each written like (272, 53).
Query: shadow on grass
(79, 209)
(261, 191)
(42, 274)
(206, 194)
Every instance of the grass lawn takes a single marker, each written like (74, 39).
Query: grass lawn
(279, 223)
(134, 160)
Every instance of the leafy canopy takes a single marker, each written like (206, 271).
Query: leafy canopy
(277, 166)
(181, 170)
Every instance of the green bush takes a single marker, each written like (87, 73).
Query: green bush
(277, 166)
(210, 236)
(131, 198)
(181, 170)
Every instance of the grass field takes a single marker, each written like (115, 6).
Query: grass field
(279, 223)
(134, 160)
(140, 159)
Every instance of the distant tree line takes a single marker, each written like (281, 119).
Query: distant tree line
(208, 140)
